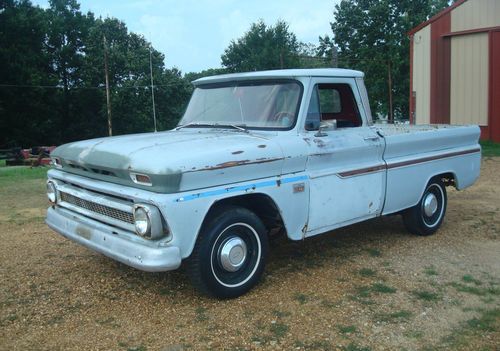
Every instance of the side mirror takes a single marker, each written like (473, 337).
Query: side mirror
(326, 125)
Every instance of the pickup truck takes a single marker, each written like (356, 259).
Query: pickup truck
(292, 152)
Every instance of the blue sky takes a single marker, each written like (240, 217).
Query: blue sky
(193, 34)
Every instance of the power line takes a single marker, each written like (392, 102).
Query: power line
(83, 88)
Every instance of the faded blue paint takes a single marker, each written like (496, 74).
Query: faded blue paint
(239, 188)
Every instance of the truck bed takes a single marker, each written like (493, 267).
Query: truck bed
(406, 140)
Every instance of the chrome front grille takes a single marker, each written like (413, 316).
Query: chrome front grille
(97, 208)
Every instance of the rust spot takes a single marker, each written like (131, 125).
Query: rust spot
(319, 142)
(237, 152)
(230, 164)
(237, 163)
(262, 146)
(83, 232)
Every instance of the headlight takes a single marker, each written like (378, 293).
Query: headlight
(51, 192)
(142, 221)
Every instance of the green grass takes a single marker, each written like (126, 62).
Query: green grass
(475, 290)
(402, 315)
(355, 347)
(464, 337)
(490, 148)
(347, 329)
(201, 314)
(487, 322)
(279, 330)
(426, 295)
(470, 279)
(430, 271)
(19, 173)
(301, 298)
(366, 272)
(374, 252)
(382, 288)
(281, 314)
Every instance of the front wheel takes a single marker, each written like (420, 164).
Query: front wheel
(230, 253)
(426, 217)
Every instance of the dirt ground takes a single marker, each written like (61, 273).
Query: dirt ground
(371, 286)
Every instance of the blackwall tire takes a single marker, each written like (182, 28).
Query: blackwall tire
(230, 253)
(427, 216)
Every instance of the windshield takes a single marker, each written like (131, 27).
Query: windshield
(266, 104)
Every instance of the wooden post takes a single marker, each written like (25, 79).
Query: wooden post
(108, 99)
(391, 116)
(335, 57)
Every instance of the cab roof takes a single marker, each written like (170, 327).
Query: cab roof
(280, 74)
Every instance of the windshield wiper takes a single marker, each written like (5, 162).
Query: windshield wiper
(240, 127)
(192, 124)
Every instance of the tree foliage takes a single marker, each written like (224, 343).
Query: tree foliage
(372, 36)
(52, 76)
(263, 47)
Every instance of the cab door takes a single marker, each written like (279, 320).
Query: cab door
(345, 164)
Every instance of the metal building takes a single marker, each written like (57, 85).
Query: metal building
(455, 67)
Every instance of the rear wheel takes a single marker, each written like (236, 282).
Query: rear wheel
(230, 253)
(426, 217)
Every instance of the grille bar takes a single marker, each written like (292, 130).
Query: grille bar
(107, 211)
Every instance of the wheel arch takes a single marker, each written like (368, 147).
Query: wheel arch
(259, 203)
(448, 178)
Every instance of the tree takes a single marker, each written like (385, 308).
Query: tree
(24, 62)
(263, 47)
(372, 36)
(52, 76)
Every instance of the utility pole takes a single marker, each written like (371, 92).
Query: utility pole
(391, 116)
(152, 86)
(108, 99)
(335, 56)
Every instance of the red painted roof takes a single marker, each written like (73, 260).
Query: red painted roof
(436, 17)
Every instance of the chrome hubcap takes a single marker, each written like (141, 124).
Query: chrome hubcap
(232, 254)
(430, 204)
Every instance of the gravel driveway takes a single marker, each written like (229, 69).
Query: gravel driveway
(371, 286)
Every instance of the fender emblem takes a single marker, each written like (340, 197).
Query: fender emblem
(299, 188)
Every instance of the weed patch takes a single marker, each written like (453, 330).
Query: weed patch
(279, 330)
(402, 315)
(426, 295)
(348, 329)
(367, 272)
(301, 298)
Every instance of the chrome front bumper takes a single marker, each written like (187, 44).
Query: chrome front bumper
(150, 256)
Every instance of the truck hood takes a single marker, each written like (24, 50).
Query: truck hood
(176, 160)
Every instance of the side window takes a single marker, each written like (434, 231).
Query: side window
(333, 101)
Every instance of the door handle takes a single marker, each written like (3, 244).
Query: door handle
(371, 138)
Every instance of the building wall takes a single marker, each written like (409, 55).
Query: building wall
(474, 14)
(462, 76)
(469, 79)
(421, 83)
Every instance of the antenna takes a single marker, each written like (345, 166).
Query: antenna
(152, 85)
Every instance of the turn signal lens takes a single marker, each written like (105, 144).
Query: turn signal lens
(51, 192)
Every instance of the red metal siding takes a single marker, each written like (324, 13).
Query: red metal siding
(494, 87)
(440, 70)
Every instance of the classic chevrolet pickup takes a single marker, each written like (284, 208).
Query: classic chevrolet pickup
(255, 155)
